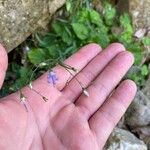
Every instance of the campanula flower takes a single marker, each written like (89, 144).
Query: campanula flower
(52, 78)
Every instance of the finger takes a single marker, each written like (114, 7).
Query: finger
(3, 64)
(89, 73)
(79, 60)
(105, 83)
(105, 119)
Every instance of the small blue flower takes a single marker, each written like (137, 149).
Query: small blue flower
(52, 78)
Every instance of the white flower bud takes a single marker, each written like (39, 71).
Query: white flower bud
(30, 85)
(42, 64)
(86, 93)
(23, 99)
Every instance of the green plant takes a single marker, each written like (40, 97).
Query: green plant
(69, 32)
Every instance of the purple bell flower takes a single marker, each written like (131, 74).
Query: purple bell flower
(52, 78)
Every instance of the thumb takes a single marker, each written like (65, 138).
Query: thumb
(3, 64)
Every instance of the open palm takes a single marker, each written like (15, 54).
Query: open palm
(69, 120)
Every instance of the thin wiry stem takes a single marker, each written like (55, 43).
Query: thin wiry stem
(68, 67)
(80, 83)
(84, 90)
(43, 97)
(31, 77)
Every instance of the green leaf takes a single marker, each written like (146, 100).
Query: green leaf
(80, 30)
(99, 37)
(63, 30)
(67, 36)
(45, 41)
(58, 28)
(68, 5)
(146, 41)
(109, 14)
(138, 57)
(144, 70)
(136, 49)
(82, 16)
(37, 55)
(125, 22)
(53, 51)
(125, 38)
(22, 80)
(95, 17)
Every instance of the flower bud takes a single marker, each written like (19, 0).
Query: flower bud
(86, 93)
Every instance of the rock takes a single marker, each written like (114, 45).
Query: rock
(144, 134)
(146, 89)
(140, 33)
(20, 18)
(138, 114)
(147, 141)
(124, 140)
(140, 13)
(139, 10)
(121, 123)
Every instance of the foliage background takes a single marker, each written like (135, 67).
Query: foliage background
(76, 24)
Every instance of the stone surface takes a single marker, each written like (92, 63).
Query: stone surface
(146, 90)
(140, 13)
(20, 18)
(139, 10)
(147, 141)
(138, 114)
(124, 140)
(144, 134)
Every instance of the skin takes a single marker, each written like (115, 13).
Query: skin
(69, 120)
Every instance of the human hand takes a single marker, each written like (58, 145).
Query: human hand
(69, 120)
